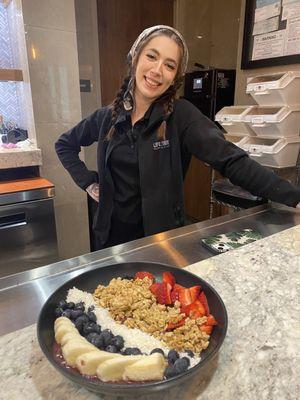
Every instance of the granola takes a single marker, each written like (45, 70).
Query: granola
(131, 302)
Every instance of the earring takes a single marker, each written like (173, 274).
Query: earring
(128, 98)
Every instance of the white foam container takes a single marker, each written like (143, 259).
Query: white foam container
(273, 122)
(231, 119)
(278, 153)
(275, 89)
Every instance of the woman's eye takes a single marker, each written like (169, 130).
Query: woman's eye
(171, 67)
(151, 56)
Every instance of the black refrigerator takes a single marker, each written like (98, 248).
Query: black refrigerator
(210, 90)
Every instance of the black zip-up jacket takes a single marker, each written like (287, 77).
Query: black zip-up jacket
(163, 164)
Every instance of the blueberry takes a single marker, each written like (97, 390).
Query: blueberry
(181, 365)
(190, 353)
(91, 308)
(58, 312)
(62, 304)
(170, 372)
(67, 313)
(76, 313)
(89, 327)
(95, 339)
(70, 305)
(118, 342)
(81, 321)
(97, 328)
(132, 351)
(92, 316)
(106, 337)
(172, 356)
(79, 306)
(111, 349)
(157, 350)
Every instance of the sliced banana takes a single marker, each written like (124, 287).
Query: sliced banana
(70, 336)
(147, 369)
(87, 363)
(113, 369)
(75, 348)
(89, 360)
(62, 320)
(62, 329)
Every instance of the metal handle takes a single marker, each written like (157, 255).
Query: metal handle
(12, 221)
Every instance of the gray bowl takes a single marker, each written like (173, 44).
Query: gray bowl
(88, 281)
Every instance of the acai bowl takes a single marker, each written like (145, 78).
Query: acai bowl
(132, 328)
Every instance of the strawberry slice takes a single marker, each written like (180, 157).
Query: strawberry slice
(162, 292)
(185, 297)
(144, 274)
(168, 277)
(194, 292)
(206, 328)
(194, 310)
(203, 300)
(175, 292)
(211, 320)
(171, 326)
(174, 296)
(154, 288)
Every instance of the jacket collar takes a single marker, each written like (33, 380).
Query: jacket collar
(154, 115)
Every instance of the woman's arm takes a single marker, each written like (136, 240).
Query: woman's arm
(204, 140)
(69, 144)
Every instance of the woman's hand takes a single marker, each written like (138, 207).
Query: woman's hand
(93, 191)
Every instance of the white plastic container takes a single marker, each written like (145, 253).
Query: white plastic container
(275, 90)
(231, 119)
(278, 153)
(237, 140)
(274, 122)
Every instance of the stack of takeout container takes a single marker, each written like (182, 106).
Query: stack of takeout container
(269, 131)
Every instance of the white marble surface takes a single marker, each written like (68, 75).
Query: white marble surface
(259, 359)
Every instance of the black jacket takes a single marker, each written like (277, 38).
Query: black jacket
(163, 164)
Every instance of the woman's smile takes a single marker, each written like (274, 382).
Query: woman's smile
(156, 68)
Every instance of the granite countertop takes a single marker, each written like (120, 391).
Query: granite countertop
(20, 157)
(259, 359)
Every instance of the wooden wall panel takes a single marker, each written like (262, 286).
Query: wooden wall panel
(119, 24)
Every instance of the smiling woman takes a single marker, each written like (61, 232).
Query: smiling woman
(146, 139)
(156, 70)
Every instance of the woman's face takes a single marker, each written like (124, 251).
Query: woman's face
(156, 68)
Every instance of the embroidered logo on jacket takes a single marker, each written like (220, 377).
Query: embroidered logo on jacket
(163, 144)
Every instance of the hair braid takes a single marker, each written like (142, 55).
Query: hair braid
(167, 100)
(117, 106)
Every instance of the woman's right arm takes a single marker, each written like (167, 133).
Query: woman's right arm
(69, 144)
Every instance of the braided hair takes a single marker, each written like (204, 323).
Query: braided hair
(117, 106)
(166, 99)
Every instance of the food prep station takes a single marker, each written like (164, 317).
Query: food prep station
(255, 283)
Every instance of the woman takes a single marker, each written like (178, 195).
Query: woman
(145, 142)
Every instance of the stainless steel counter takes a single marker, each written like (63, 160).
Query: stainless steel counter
(22, 295)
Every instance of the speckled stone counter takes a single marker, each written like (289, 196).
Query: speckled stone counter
(15, 158)
(259, 359)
